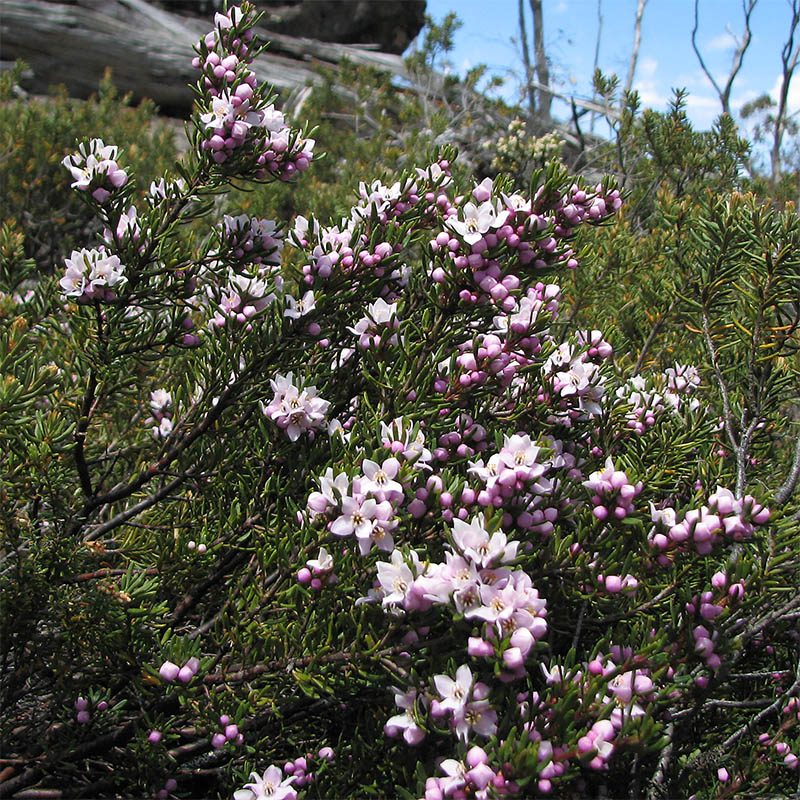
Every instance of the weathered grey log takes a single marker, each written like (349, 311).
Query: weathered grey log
(148, 49)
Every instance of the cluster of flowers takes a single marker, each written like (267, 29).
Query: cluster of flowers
(626, 688)
(273, 785)
(252, 282)
(385, 203)
(160, 405)
(127, 229)
(92, 275)
(783, 750)
(229, 733)
(572, 383)
(702, 528)
(648, 402)
(709, 607)
(345, 248)
(296, 409)
(497, 230)
(472, 777)
(94, 168)
(82, 709)
(378, 327)
(612, 493)
(170, 671)
(513, 345)
(513, 151)
(462, 703)
(366, 507)
(317, 570)
(239, 115)
(463, 441)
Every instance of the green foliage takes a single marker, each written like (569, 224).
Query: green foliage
(38, 133)
(125, 546)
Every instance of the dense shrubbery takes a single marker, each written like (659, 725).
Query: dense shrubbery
(372, 506)
(38, 133)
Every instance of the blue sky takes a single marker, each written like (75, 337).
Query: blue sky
(666, 58)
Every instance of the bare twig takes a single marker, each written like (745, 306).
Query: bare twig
(789, 57)
(657, 788)
(738, 56)
(730, 423)
(790, 484)
(637, 40)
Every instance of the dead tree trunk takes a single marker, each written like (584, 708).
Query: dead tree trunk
(148, 49)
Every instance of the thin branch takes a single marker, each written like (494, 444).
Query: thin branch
(135, 510)
(738, 55)
(789, 58)
(80, 436)
(730, 424)
(787, 490)
(637, 40)
(545, 98)
(657, 788)
(772, 707)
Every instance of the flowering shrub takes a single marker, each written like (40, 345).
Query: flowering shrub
(350, 508)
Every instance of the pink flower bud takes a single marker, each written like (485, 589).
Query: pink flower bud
(154, 737)
(218, 740)
(479, 648)
(169, 671)
(185, 675)
(722, 774)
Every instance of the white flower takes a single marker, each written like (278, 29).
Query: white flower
(296, 409)
(160, 400)
(89, 272)
(299, 308)
(395, 579)
(323, 563)
(455, 693)
(163, 429)
(477, 221)
(222, 111)
(270, 786)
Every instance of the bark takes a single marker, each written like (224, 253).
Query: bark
(637, 40)
(526, 60)
(544, 96)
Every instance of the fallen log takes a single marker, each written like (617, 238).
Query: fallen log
(148, 49)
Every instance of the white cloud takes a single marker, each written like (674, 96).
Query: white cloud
(794, 93)
(651, 94)
(724, 41)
